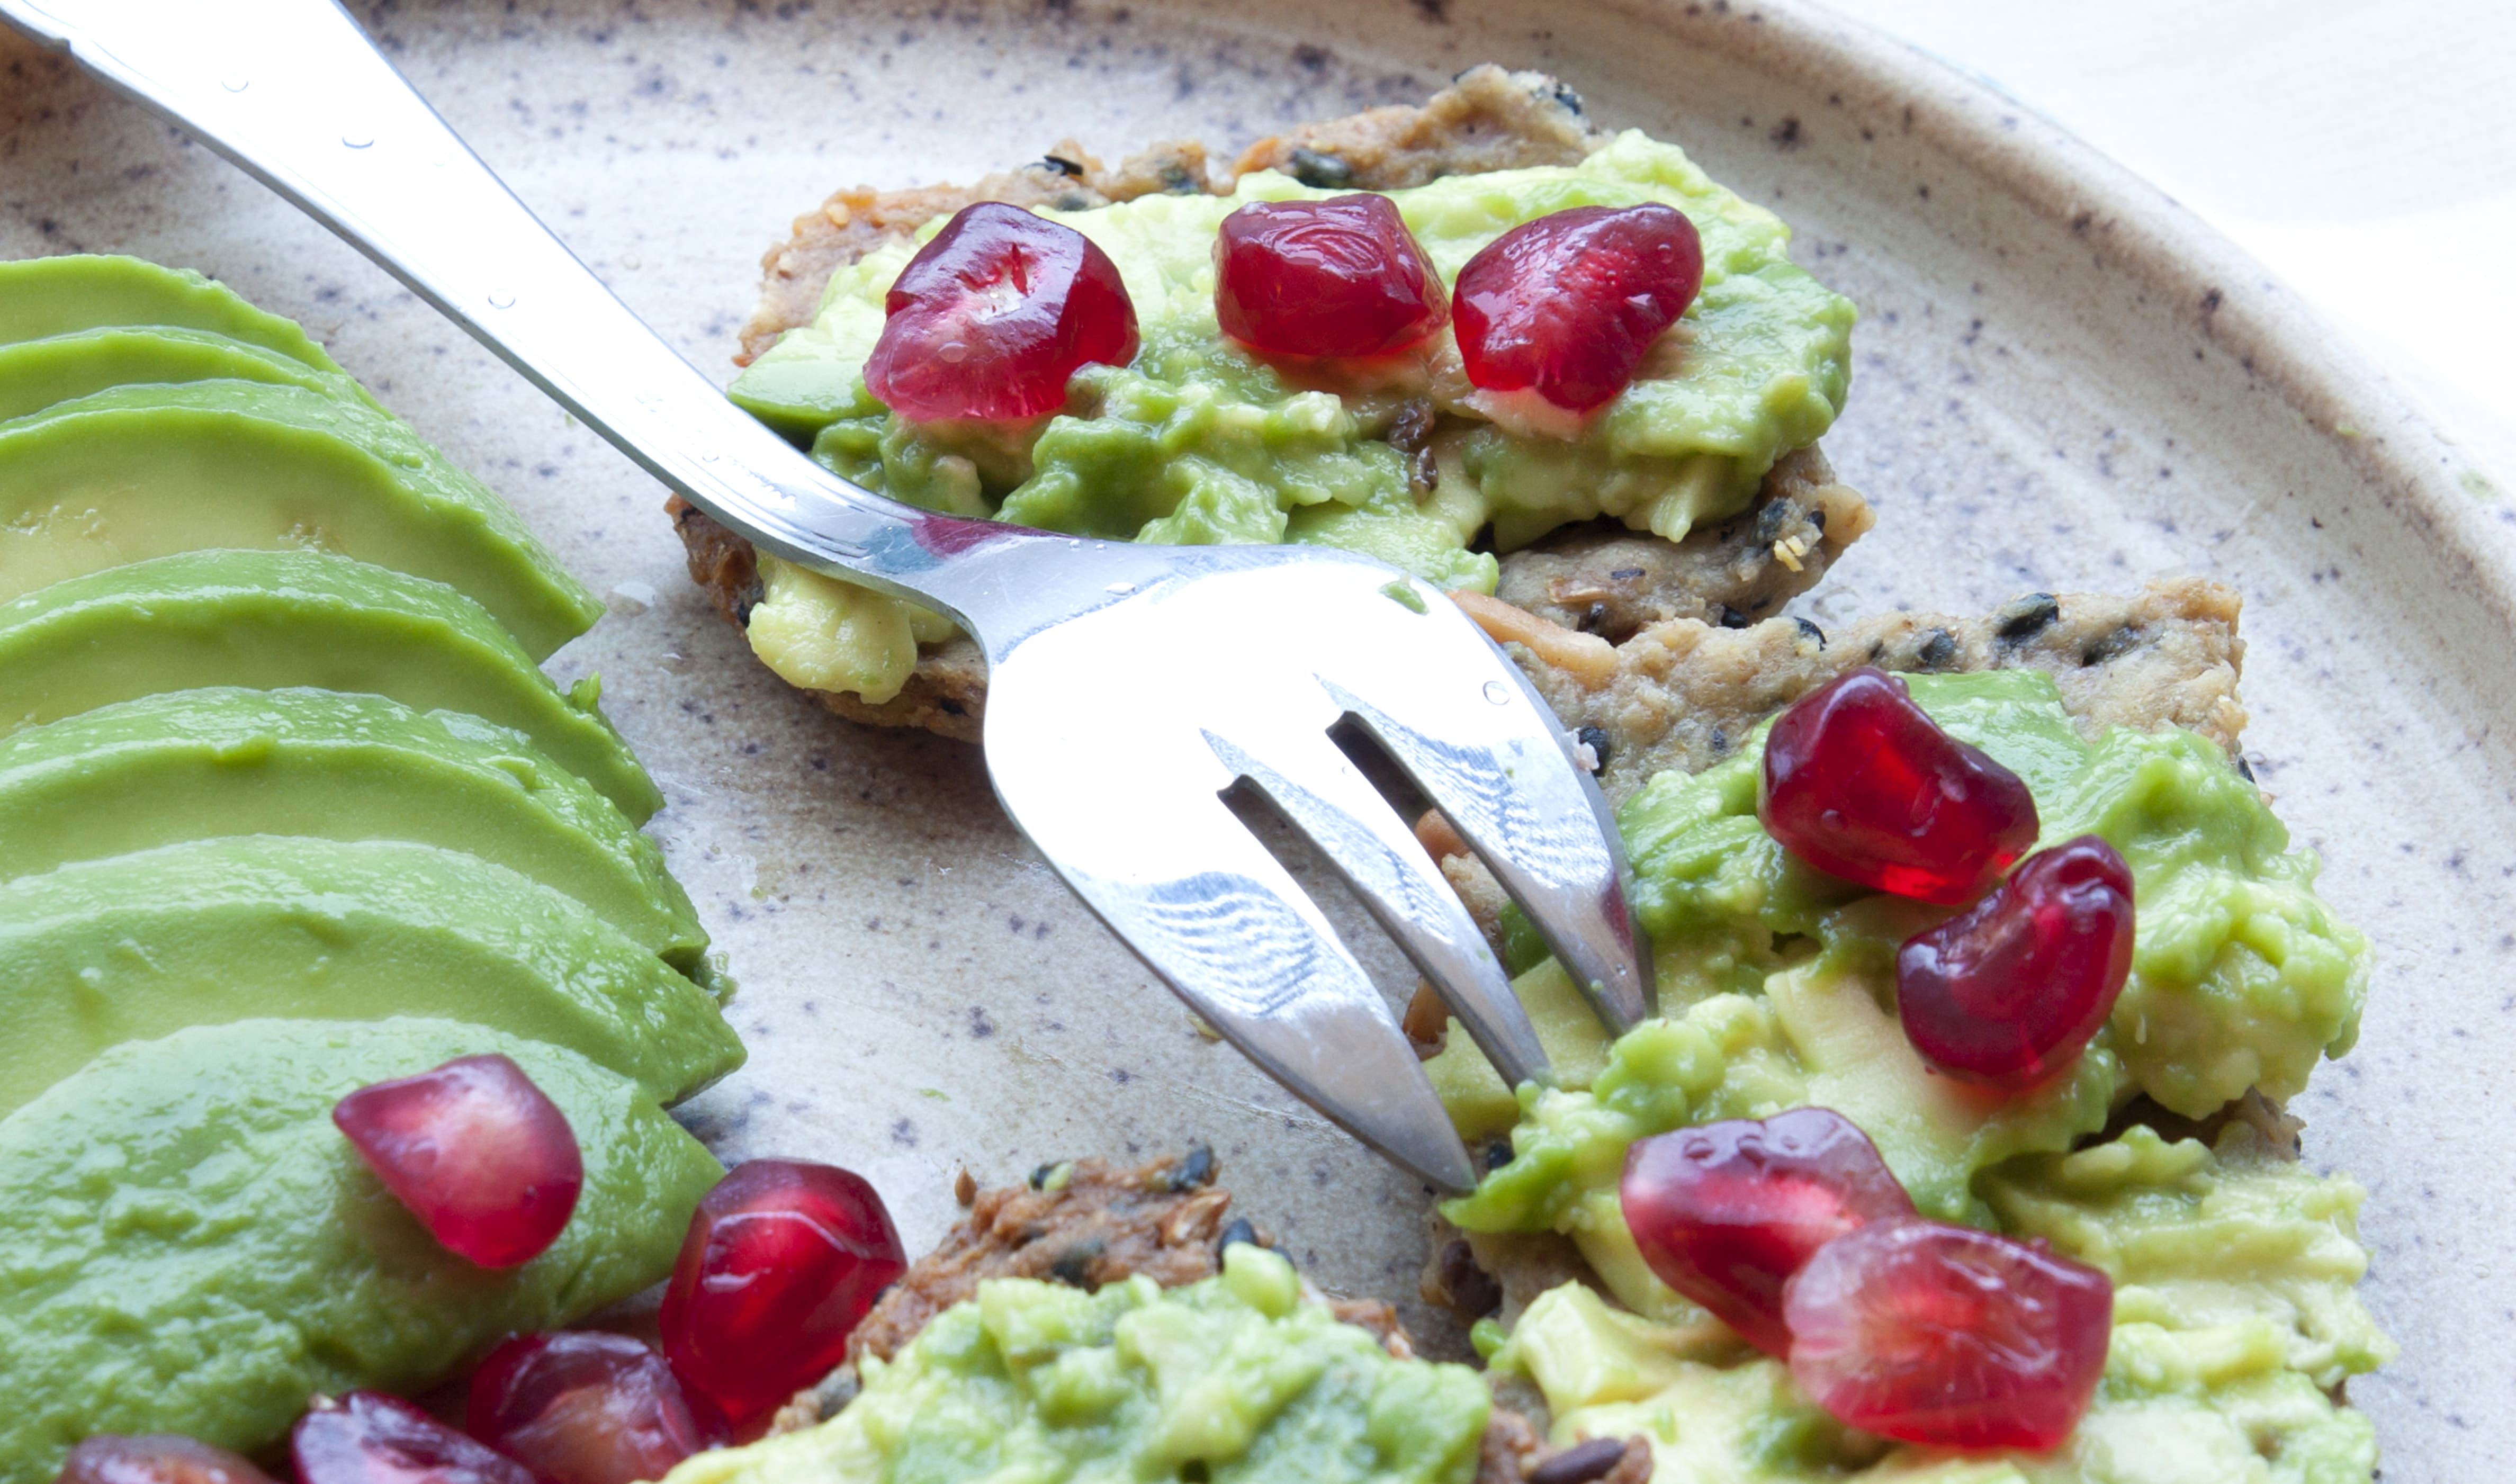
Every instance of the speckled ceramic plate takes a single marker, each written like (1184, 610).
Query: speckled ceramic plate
(2064, 382)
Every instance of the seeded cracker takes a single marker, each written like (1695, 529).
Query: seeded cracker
(1087, 1224)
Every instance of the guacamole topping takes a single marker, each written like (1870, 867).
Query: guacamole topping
(1198, 441)
(1237, 1379)
(1777, 982)
(2234, 1315)
(2232, 1270)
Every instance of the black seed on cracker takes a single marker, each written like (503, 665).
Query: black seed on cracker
(1810, 630)
(1579, 1464)
(1939, 651)
(1596, 740)
(2026, 618)
(1062, 165)
(1238, 1231)
(1625, 573)
(1320, 171)
(1194, 1169)
(1497, 1154)
(1074, 1266)
(1727, 616)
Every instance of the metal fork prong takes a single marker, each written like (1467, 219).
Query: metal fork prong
(1544, 828)
(1229, 930)
(1379, 857)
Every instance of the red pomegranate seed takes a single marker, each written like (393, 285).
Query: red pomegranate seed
(580, 1406)
(991, 317)
(2007, 992)
(1725, 1213)
(1859, 783)
(1569, 303)
(1342, 276)
(481, 1157)
(155, 1459)
(370, 1438)
(781, 1261)
(1949, 1336)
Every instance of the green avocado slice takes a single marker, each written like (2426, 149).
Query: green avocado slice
(100, 952)
(36, 375)
(146, 471)
(40, 297)
(188, 1246)
(272, 619)
(190, 765)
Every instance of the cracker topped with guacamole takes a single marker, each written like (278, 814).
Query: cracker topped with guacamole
(1694, 491)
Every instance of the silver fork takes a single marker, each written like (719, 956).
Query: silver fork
(1129, 686)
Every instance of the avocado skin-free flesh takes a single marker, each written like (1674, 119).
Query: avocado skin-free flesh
(188, 1244)
(273, 619)
(1234, 1379)
(147, 471)
(41, 297)
(224, 761)
(134, 947)
(36, 375)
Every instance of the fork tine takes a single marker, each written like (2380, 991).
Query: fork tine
(1231, 932)
(1542, 826)
(1379, 857)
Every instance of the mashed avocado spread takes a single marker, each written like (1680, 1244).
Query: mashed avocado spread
(1200, 441)
(1237, 1379)
(2234, 1269)
(2233, 1314)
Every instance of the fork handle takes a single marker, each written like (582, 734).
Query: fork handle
(293, 92)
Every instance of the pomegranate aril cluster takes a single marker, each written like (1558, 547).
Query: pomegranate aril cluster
(1861, 784)
(580, 1406)
(1569, 305)
(2009, 991)
(1338, 277)
(1794, 1232)
(782, 1260)
(991, 319)
(476, 1151)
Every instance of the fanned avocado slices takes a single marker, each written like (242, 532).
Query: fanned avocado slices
(192, 765)
(146, 471)
(272, 619)
(36, 375)
(188, 1246)
(98, 953)
(41, 297)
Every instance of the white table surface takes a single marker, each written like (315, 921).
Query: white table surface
(2365, 153)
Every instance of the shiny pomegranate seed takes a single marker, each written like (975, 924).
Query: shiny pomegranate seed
(370, 1438)
(1949, 1336)
(480, 1156)
(991, 317)
(579, 1406)
(2008, 991)
(1859, 783)
(782, 1260)
(1725, 1213)
(1569, 303)
(1342, 276)
(155, 1459)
